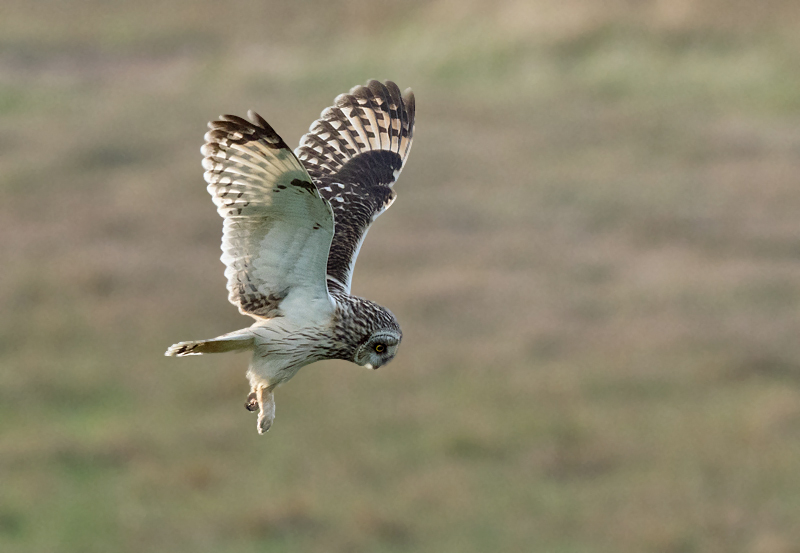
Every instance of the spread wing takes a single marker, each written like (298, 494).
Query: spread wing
(355, 152)
(277, 229)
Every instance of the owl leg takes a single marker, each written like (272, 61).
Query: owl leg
(266, 411)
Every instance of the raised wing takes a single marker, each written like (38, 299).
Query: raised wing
(277, 229)
(355, 152)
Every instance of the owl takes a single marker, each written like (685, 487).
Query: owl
(293, 224)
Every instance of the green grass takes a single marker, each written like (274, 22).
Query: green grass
(594, 258)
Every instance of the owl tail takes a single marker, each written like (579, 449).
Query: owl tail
(235, 341)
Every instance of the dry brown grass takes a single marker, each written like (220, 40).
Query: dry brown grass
(594, 257)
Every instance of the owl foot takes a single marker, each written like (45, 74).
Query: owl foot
(266, 412)
(252, 402)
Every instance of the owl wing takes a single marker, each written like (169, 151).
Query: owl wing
(277, 229)
(355, 152)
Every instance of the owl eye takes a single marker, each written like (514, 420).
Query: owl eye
(379, 348)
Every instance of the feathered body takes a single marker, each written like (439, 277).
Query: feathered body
(293, 224)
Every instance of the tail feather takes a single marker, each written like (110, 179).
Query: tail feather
(235, 341)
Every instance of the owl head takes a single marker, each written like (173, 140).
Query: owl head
(379, 348)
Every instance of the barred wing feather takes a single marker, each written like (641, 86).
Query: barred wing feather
(277, 229)
(355, 152)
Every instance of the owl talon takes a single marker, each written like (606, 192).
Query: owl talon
(252, 402)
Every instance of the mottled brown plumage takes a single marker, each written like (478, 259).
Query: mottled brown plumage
(292, 229)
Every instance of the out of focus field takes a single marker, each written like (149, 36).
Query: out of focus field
(595, 257)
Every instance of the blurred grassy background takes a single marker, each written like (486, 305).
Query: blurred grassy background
(595, 257)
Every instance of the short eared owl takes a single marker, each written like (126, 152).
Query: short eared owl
(293, 226)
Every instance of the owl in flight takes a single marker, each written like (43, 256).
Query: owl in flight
(293, 224)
